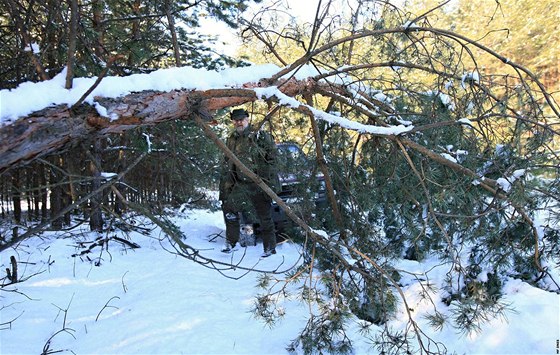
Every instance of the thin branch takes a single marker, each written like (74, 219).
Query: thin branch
(107, 306)
(97, 81)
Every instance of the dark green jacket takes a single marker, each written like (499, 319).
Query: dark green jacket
(257, 151)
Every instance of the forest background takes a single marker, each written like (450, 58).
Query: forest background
(438, 66)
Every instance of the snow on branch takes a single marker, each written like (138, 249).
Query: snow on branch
(31, 97)
(285, 100)
(34, 128)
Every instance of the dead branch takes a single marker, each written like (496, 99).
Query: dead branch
(54, 128)
(97, 81)
(107, 306)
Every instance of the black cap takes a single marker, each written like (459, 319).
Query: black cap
(239, 114)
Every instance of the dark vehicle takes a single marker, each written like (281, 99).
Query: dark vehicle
(303, 187)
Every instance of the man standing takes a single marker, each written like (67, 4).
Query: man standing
(238, 192)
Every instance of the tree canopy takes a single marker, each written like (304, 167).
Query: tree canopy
(467, 180)
(523, 31)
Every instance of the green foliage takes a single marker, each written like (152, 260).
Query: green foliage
(470, 314)
(324, 333)
(374, 302)
(181, 167)
(436, 320)
(139, 32)
(391, 342)
(465, 186)
(266, 309)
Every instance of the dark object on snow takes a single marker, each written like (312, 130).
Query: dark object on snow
(301, 184)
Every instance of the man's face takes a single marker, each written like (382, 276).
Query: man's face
(240, 125)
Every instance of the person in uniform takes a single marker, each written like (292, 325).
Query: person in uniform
(238, 193)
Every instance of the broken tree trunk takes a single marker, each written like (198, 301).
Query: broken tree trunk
(54, 128)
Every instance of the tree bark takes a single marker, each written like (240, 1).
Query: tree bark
(55, 128)
(96, 217)
(97, 23)
(72, 34)
(321, 162)
(174, 40)
(27, 40)
(44, 193)
(135, 29)
(16, 196)
(56, 199)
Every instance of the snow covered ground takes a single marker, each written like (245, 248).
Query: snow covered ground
(150, 301)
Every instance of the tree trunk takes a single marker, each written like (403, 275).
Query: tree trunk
(321, 162)
(44, 194)
(71, 43)
(56, 199)
(16, 196)
(51, 33)
(28, 193)
(37, 186)
(96, 217)
(26, 39)
(174, 41)
(119, 204)
(97, 8)
(135, 31)
(53, 128)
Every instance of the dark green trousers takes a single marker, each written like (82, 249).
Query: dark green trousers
(247, 197)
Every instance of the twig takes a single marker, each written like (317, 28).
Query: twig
(107, 306)
(98, 81)
(9, 323)
(123, 284)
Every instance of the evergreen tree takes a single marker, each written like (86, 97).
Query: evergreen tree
(431, 193)
(136, 36)
(439, 158)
